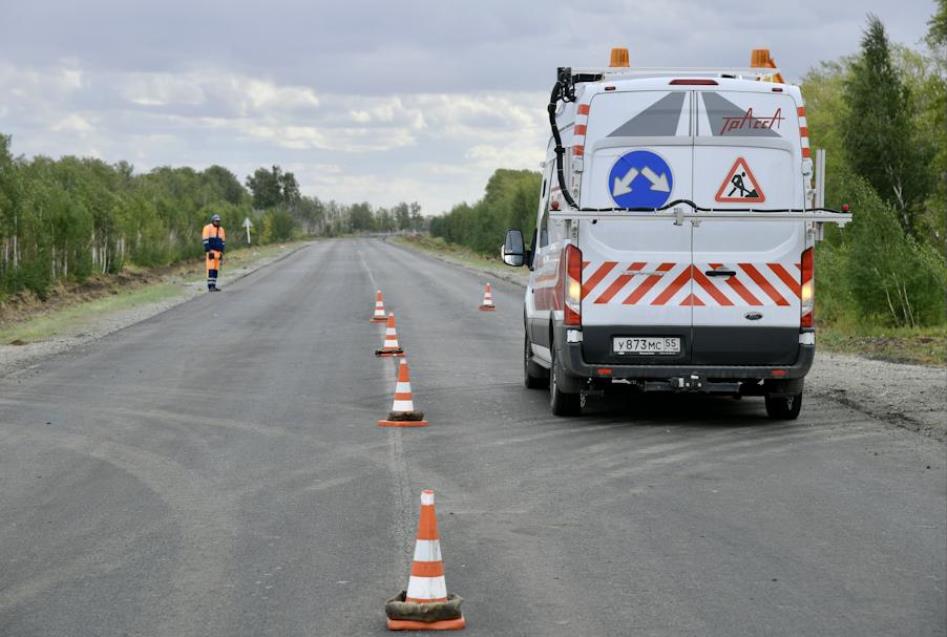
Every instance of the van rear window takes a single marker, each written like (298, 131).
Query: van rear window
(640, 114)
(741, 114)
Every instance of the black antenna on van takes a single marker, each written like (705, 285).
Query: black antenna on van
(563, 90)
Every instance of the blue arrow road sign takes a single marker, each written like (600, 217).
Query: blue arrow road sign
(640, 179)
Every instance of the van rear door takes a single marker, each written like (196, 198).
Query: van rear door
(638, 153)
(747, 154)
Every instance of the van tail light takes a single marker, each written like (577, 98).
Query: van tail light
(573, 296)
(807, 289)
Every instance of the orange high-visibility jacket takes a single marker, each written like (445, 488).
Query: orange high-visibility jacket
(214, 238)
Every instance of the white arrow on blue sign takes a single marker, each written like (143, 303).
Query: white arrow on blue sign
(640, 179)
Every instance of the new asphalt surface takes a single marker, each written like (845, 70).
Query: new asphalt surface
(217, 470)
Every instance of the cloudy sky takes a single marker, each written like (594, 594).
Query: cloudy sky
(378, 101)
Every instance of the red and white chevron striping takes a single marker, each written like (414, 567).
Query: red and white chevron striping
(640, 283)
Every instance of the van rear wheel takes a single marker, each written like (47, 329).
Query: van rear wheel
(561, 403)
(784, 407)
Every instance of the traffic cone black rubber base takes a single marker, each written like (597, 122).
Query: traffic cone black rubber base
(404, 419)
(446, 615)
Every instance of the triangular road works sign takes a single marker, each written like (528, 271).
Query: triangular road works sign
(740, 185)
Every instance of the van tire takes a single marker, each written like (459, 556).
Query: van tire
(534, 375)
(562, 404)
(783, 407)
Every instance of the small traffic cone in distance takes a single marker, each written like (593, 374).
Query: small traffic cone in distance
(402, 412)
(390, 347)
(426, 605)
(487, 305)
(379, 316)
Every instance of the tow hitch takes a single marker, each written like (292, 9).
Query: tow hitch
(692, 383)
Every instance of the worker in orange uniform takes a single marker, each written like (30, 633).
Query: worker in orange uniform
(214, 244)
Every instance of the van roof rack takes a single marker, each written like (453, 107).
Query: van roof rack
(607, 73)
(681, 209)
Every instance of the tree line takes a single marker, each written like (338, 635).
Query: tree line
(511, 200)
(70, 218)
(880, 115)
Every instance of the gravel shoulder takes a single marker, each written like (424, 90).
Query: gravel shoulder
(910, 396)
(16, 357)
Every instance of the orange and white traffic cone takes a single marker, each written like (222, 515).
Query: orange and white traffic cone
(390, 346)
(426, 604)
(402, 410)
(487, 305)
(379, 314)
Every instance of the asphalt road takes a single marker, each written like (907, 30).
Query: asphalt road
(217, 470)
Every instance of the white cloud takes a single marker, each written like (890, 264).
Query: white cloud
(411, 100)
(376, 144)
(161, 89)
(73, 123)
(71, 78)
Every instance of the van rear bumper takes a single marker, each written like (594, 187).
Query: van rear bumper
(574, 364)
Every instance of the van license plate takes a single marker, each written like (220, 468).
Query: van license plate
(646, 345)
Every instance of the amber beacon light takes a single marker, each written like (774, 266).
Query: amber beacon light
(761, 59)
(619, 58)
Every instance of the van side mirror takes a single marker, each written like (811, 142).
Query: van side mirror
(514, 251)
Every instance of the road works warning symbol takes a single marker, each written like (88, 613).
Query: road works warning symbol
(740, 186)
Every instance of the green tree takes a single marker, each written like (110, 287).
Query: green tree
(273, 187)
(510, 200)
(311, 214)
(892, 278)
(225, 184)
(278, 225)
(361, 217)
(71, 218)
(385, 221)
(402, 214)
(11, 195)
(876, 129)
(289, 189)
(265, 187)
(937, 41)
(937, 33)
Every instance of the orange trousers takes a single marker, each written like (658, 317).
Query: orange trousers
(213, 259)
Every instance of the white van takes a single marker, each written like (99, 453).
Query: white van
(674, 241)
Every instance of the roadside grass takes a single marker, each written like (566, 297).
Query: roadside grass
(75, 310)
(460, 255)
(72, 318)
(436, 245)
(922, 346)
